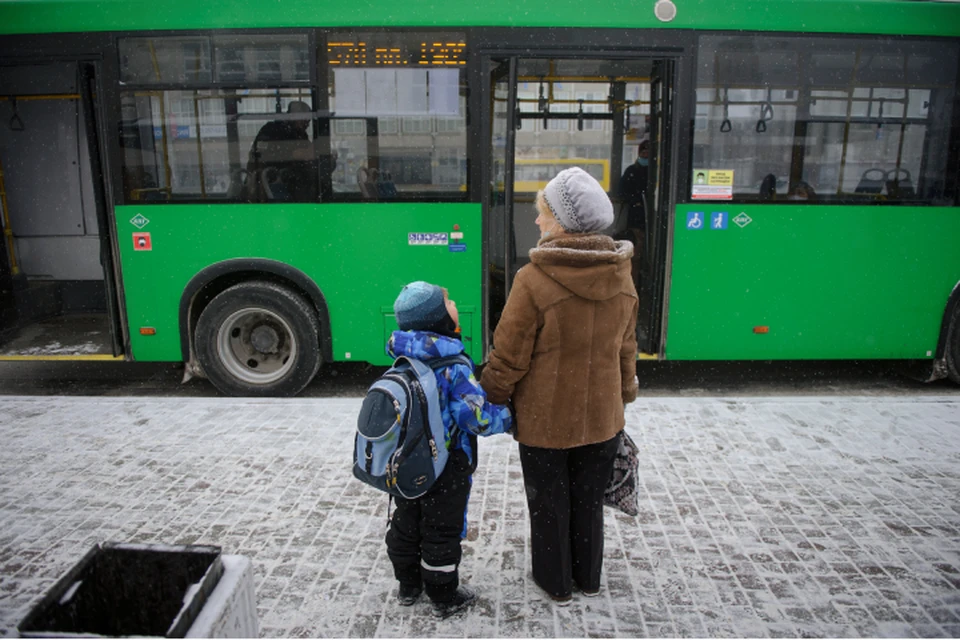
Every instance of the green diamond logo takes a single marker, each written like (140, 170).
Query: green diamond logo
(139, 221)
(743, 219)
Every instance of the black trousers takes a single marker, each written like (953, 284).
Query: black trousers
(565, 497)
(423, 541)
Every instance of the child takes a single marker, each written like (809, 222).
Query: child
(423, 540)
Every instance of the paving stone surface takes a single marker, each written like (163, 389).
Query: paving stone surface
(759, 517)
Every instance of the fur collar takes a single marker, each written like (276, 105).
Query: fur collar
(580, 250)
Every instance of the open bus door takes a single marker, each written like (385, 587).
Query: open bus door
(95, 147)
(60, 289)
(550, 112)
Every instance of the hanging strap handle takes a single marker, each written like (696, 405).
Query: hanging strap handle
(766, 113)
(725, 126)
(16, 122)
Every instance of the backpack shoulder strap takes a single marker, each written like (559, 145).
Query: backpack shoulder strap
(457, 358)
(438, 363)
(421, 367)
(401, 360)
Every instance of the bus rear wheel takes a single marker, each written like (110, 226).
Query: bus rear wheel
(953, 345)
(258, 339)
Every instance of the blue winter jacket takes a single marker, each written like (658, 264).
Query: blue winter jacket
(463, 402)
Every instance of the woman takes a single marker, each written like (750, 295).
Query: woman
(565, 353)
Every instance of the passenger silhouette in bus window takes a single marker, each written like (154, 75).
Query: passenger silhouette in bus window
(632, 191)
(768, 188)
(801, 191)
(283, 164)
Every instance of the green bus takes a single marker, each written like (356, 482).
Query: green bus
(245, 186)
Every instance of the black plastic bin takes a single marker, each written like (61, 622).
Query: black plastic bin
(121, 589)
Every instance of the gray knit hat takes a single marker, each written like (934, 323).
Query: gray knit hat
(578, 202)
(420, 305)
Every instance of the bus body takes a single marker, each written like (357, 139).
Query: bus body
(246, 189)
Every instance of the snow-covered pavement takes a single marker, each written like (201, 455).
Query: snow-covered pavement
(833, 516)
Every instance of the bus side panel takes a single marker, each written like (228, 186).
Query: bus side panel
(359, 255)
(917, 18)
(844, 282)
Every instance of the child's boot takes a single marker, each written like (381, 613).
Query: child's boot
(408, 594)
(462, 598)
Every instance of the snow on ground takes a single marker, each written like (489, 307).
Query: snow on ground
(834, 517)
(55, 348)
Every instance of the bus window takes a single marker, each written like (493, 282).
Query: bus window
(829, 120)
(212, 138)
(167, 60)
(253, 145)
(410, 91)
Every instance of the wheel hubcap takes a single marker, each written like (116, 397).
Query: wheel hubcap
(256, 345)
(265, 339)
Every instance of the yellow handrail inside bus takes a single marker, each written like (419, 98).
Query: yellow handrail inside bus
(7, 231)
(599, 168)
(135, 194)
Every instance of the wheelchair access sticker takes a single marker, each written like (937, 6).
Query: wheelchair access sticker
(695, 220)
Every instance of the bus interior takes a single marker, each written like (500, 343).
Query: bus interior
(55, 266)
(588, 112)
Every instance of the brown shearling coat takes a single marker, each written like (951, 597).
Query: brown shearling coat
(565, 349)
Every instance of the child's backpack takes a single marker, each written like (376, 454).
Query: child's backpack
(400, 445)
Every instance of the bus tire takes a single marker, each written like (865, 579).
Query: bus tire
(952, 350)
(258, 339)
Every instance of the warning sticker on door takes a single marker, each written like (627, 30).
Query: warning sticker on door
(712, 184)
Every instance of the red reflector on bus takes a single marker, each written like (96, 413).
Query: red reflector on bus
(761, 329)
(148, 331)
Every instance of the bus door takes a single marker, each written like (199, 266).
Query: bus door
(57, 277)
(602, 114)
(657, 207)
(500, 130)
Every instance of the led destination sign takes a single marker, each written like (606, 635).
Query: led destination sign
(396, 50)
